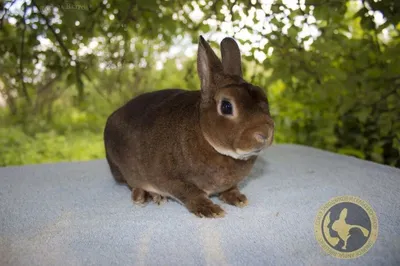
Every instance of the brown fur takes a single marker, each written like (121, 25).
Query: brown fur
(166, 142)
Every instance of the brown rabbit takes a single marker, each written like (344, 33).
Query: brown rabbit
(189, 145)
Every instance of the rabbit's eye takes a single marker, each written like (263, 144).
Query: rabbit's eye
(226, 107)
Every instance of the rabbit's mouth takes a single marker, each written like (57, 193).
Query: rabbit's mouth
(241, 152)
(242, 155)
(235, 154)
(245, 155)
(253, 141)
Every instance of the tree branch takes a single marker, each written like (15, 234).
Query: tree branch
(126, 19)
(58, 38)
(21, 57)
(42, 90)
(78, 70)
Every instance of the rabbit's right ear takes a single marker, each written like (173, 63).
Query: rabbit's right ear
(208, 65)
(231, 60)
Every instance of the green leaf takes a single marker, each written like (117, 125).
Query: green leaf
(367, 23)
(361, 12)
(363, 115)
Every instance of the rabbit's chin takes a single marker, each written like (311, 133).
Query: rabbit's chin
(238, 154)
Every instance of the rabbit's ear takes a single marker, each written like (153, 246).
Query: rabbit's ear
(231, 60)
(208, 64)
(343, 214)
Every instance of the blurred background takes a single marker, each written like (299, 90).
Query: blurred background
(331, 69)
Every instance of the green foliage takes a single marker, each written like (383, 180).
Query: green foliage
(343, 93)
(338, 90)
(70, 132)
(16, 147)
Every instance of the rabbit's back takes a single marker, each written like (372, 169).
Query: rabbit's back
(150, 130)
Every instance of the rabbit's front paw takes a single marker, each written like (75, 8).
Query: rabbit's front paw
(234, 197)
(204, 207)
(157, 198)
(139, 196)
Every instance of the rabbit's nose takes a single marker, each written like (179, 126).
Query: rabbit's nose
(260, 137)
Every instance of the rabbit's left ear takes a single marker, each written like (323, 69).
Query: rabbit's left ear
(343, 214)
(208, 66)
(231, 60)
